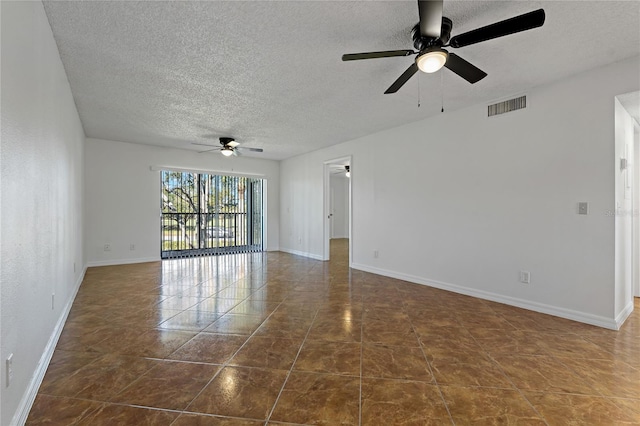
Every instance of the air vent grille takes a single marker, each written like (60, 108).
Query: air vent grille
(507, 106)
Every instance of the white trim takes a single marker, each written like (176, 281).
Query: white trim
(350, 218)
(622, 316)
(207, 171)
(326, 211)
(29, 396)
(635, 224)
(111, 262)
(302, 253)
(326, 184)
(586, 318)
(265, 211)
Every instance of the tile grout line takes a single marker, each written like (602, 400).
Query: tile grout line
(165, 358)
(226, 363)
(222, 366)
(599, 393)
(286, 379)
(424, 355)
(505, 374)
(487, 350)
(547, 354)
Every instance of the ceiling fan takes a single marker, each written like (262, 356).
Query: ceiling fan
(229, 147)
(433, 33)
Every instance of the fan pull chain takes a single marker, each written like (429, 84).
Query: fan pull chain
(418, 90)
(441, 91)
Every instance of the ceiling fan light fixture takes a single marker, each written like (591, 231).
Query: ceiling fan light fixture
(226, 151)
(432, 60)
(348, 173)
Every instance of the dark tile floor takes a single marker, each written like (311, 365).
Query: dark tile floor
(272, 338)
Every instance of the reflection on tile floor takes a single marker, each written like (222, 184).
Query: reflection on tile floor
(272, 338)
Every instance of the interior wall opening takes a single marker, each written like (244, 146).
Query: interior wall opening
(208, 214)
(337, 204)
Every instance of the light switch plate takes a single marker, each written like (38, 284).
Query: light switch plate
(583, 208)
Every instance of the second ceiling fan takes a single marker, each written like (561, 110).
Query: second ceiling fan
(229, 147)
(433, 33)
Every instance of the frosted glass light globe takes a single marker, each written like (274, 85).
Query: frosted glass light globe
(432, 61)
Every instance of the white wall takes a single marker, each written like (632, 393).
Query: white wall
(475, 200)
(624, 191)
(123, 196)
(339, 187)
(42, 187)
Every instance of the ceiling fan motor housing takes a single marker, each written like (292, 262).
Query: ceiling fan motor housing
(226, 141)
(422, 43)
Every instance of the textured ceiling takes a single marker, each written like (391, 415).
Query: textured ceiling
(269, 73)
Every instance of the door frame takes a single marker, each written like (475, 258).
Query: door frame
(635, 226)
(326, 208)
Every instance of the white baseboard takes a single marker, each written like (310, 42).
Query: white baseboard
(622, 316)
(111, 262)
(29, 396)
(586, 318)
(302, 253)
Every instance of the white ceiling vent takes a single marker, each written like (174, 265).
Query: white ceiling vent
(507, 106)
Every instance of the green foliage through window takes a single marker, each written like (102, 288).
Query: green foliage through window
(209, 214)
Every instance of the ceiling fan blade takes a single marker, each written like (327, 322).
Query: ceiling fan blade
(413, 68)
(208, 150)
(514, 25)
(236, 153)
(202, 144)
(250, 149)
(430, 17)
(375, 55)
(233, 144)
(464, 69)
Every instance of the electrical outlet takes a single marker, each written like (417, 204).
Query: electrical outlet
(132, 247)
(9, 371)
(525, 277)
(375, 254)
(107, 247)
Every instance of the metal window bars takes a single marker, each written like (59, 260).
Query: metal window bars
(205, 214)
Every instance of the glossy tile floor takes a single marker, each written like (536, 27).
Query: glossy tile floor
(272, 338)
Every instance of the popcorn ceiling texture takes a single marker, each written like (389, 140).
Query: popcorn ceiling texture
(270, 73)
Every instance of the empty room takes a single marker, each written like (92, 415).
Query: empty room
(320, 212)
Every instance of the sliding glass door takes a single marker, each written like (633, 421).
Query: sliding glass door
(210, 214)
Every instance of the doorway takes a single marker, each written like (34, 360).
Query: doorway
(338, 175)
(205, 214)
(627, 191)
